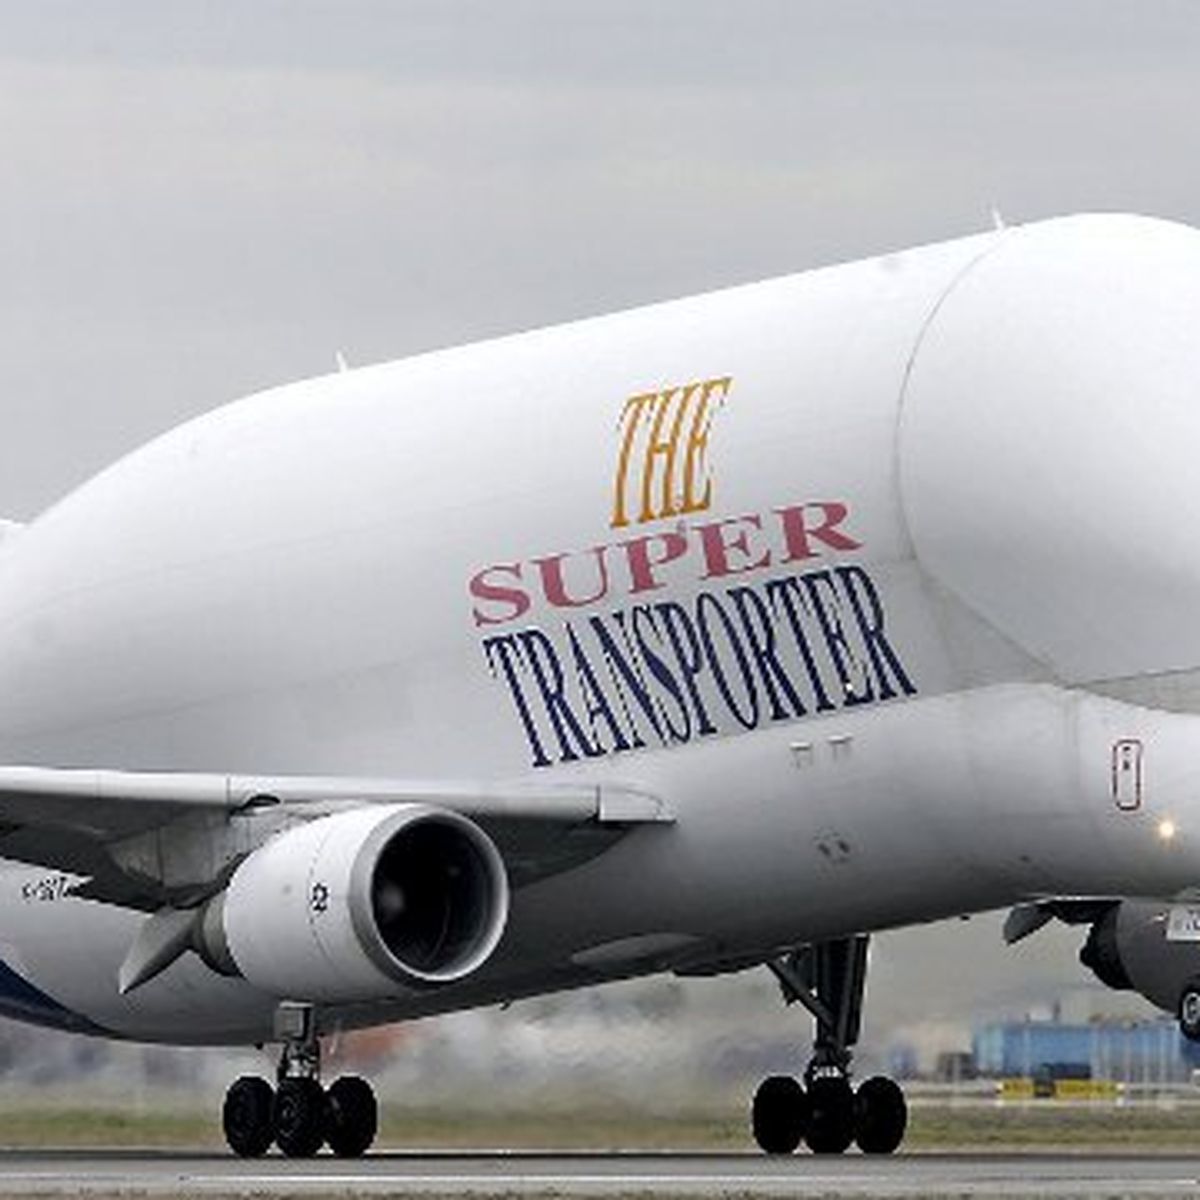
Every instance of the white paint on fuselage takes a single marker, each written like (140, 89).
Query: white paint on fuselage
(282, 587)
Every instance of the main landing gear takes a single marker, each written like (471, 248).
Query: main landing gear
(824, 1110)
(298, 1115)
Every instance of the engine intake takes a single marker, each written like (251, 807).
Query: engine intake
(347, 907)
(428, 897)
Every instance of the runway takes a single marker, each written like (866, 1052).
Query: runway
(494, 1173)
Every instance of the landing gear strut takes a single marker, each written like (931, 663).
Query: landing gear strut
(298, 1115)
(824, 1110)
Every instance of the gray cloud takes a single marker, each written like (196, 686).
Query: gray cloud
(203, 199)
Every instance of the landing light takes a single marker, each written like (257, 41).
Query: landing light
(1166, 829)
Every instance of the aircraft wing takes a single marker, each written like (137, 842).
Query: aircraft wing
(145, 839)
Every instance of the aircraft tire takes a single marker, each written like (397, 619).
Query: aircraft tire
(831, 1125)
(779, 1114)
(351, 1116)
(1189, 1011)
(246, 1116)
(881, 1115)
(299, 1117)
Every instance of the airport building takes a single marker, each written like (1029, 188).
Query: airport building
(1149, 1052)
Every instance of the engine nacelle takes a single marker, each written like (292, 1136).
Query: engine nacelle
(1128, 948)
(357, 905)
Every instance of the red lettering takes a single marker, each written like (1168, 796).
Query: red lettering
(799, 533)
(717, 546)
(554, 587)
(496, 593)
(642, 562)
(733, 546)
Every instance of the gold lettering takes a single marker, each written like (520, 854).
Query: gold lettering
(630, 418)
(695, 463)
(674, 465)
(671, 402)
(654, 447)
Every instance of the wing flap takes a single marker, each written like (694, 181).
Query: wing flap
(118, 803)
(148, 839)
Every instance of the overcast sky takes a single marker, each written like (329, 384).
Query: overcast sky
(201, 199)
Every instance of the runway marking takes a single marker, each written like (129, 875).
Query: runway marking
(799, 1184)
(503, 1184)
(159, 1174)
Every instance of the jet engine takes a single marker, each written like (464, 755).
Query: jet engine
(1135, 945)
(359, 905)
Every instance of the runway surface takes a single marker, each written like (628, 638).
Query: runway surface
(491, 1173)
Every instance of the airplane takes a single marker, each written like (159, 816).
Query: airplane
(714, 635)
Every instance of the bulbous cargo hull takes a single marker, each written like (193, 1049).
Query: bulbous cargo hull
(861, 572)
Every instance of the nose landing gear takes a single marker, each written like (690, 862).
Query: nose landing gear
(298, 1115)
(825, 1111)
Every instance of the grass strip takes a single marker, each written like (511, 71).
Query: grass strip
(1145, 1126)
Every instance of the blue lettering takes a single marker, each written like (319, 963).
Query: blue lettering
(829, 618)
(679, 625)
(504, 648)
(879, 648)
(594, 699)
(760, 634)
(547, 671)
(643, 616)
(707, 603)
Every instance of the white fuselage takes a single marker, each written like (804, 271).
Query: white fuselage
(883, 577)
